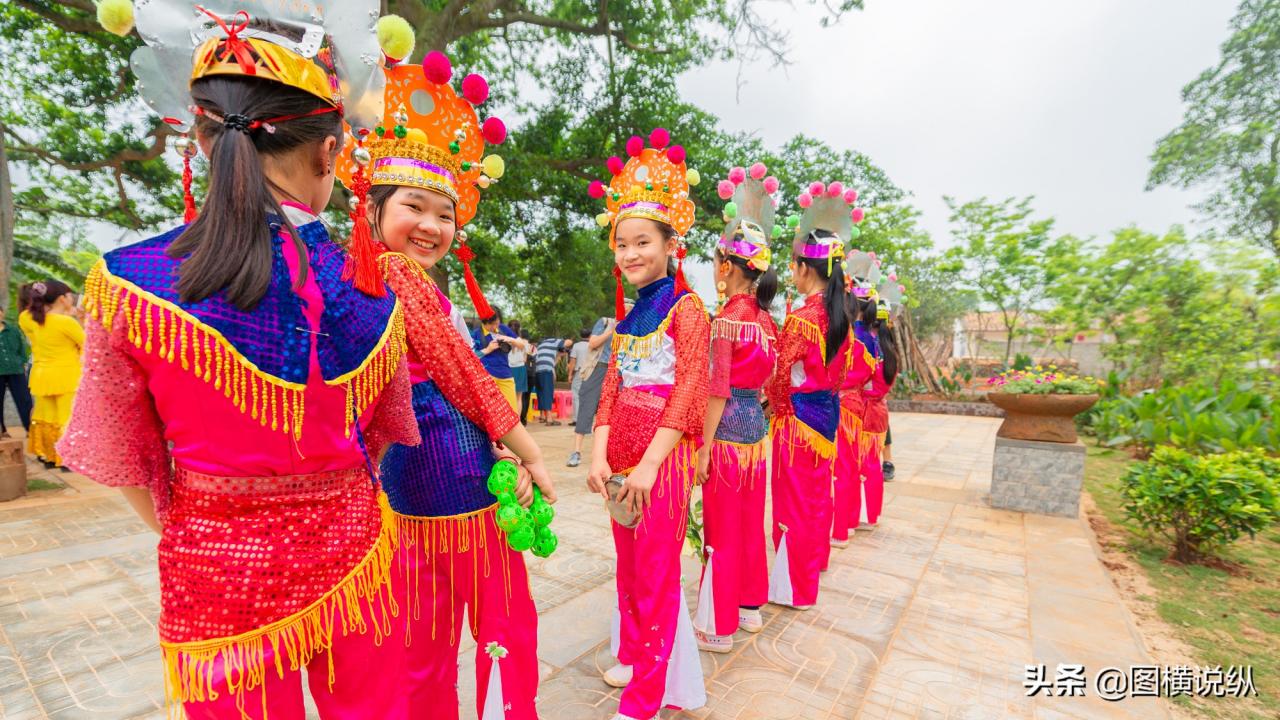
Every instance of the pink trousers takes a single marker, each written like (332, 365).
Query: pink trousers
(871, 448)
(649, 593)
(848, 482)
(733, 525)
(802, 510)
(444, 566)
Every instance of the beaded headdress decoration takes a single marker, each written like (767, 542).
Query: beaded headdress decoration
(749, 215)
(430, 138)
(653, 183)
(827, 207)
(862, 272)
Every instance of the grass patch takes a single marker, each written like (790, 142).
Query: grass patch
(36, 483)
(1229, 614)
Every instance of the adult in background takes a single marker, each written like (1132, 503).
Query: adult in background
(600, 342)
(56, 339)
(516, 360)
(494, 341)
(549, 351)
(526, 397)
(13, 374)
(578, 356)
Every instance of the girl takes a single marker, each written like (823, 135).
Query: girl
(648, 425)
(452, 554)
(803, 395)
(875, 415)
(732, 462)
(850, 492)
(238, 387)
(56, 340)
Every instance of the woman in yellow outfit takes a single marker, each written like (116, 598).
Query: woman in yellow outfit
(56, 338)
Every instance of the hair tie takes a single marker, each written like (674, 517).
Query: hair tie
(236, 121)
(39, 288)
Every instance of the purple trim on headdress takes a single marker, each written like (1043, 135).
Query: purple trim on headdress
(818, 251)
(646, 205)
(417, 164)
(742, 248)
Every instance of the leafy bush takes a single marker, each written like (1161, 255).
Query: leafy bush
(1039, 381)
(1022, 361)
(1202, 502)
(1200, 418)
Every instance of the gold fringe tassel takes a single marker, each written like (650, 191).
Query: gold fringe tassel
(799, 435)
(740, 332)
(747, 457)
(867, 357)
(868, 441)
(441, 537)
(807, 330)
(360, 601)
(850, 423)
(642, 346)
(161, 328)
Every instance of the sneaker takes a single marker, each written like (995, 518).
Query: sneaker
(793, 607)
(618, 676)
(620, 716)
(837, 543)
(750, 620)
(575, 459)
(887, 468)
(714, 643)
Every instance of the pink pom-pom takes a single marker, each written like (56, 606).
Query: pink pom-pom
(872, 255)
(437, 68)
(675, 154)
(758, 170)
(851, 196)
(857, 215)
(596, 189)
(494, 131)
(724, 189)
(902, 288)
(805, 200)
(834, 189)
(771, 184)
(475, 89)
(635, 145)
(659, 138)
(893, 277)
(614, 164)
(737, 175)
(815, 189)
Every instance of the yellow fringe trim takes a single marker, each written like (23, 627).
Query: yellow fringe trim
(850, 423)
(802, 436)
(867, 357)
(807, 330)
(189, 667)
(868, 441)
(161, 328)
(740, 332)
(746, 456)
(447, 536)
(642, 346)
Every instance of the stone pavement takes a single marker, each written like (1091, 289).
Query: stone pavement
(933, 614)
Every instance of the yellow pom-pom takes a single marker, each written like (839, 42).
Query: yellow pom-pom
(396, 37)
(415, 135)
(602, 219)
(116, 16)
(494, 166)
(693, 176)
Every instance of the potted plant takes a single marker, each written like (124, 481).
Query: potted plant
(1041, 404)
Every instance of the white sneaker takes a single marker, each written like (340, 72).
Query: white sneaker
(618, 676)
(620, 716)
(714, 643)
(839, 543)
(750, 620)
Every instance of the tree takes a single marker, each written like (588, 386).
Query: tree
(1229, 140)
(1002, 250)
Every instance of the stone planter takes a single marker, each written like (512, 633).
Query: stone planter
(1044, 418)
(13, 470)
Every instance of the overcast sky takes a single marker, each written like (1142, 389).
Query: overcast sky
(1061, 100)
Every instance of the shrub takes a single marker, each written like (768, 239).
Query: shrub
(1202, 502)
(1200, 418)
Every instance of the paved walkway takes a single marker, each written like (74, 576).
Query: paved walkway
(934, 614)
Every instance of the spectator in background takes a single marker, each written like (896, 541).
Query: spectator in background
(56, 340)
(600, 344)
(578, 361)
(516, 360)
(545, 365)
(494, 341)
(13, 374)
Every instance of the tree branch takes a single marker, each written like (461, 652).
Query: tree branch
(69, 23)
(158, 136)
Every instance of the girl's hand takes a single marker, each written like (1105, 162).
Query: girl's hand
(704, 465)
(635, 491)
(599, 475)
(538, 474)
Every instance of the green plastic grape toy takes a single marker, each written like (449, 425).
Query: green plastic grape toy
(521, 538)
(544, 542)
(525, 528)
(509, 518)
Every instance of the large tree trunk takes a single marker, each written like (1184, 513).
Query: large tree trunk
(6, 226)
(914, 359)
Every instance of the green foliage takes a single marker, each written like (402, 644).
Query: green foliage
(1022, 361)
(1229, 139)
(1202, 502)
(1041, 382)
(1199, 418)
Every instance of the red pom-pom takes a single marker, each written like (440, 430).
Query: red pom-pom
(724, 189)
(437, 68)
(475, 89)
(659, 138)
(851, 196)
(835, 189)
(816, 189)
(758, 170)
(675, 154)
(635, 145)
(737, 175)
(494, 131)
(771, 184)
(857, 215)
(615, 165)
(596, 189)
(805, 200)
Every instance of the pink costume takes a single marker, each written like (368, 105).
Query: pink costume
(803, 395)
(850, 491)
(452, 553)
(657, 378)
(253, 431)
(875, 422)
(736, 573)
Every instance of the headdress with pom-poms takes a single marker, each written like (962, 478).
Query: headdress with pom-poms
(749, 215)
(890, 297)
(321, 54)
(830, 207)
(653, 183)
(431, 138)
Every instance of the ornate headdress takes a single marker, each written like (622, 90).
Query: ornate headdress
(654, 184)
(827, 207)
(430, 138)
(749, 215)
(889, 296)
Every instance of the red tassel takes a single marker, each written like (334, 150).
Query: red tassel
(362, 252)
(619, 297)
(788, 303)
(466, 255)
(188, 201)
(681, 285)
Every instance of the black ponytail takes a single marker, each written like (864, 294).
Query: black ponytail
(837, 310)
(888, 350)
(229, 244)
(766, 282)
